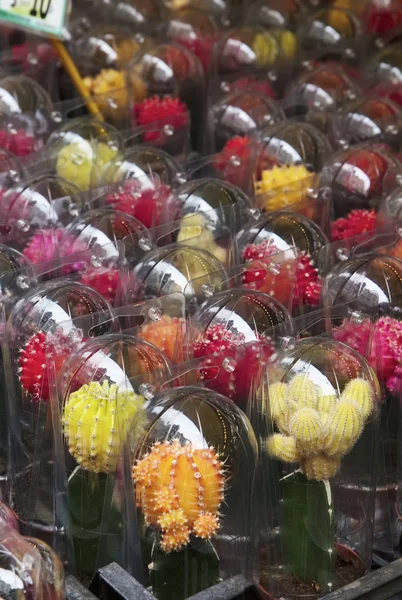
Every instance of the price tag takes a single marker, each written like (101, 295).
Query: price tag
(43, 16)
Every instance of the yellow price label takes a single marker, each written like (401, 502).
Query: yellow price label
(44, 16)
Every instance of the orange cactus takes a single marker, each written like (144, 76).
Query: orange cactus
(180, 490)
(167, 334)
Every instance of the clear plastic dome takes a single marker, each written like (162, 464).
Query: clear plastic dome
(20, 94)
(219, 8)
(360, 177)
(25, 111)
(210, 212)
(240, 113)
(336, 30)
(205, 532)
(179, 269)
(99, 401)
(196, 30)
(42, 335)
(280, 243)
(254, 49)
(103, 46)
(372, 282)
(81, 149)
(386, 65)
(322, 406)
(29, 567)
(236, 333)
(315, 93)
(292, 144)
(167, 83)
(377, 119)
(271, 14)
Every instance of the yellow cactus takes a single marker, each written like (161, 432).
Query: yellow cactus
(283, 186)
(193, 232)
(326, 404)
(283, 447)
(279, 406)
(307, 428)
(265, 48)
(96, 421)
(303, 392)
(320, 467)
(317, 430)
(360, 392)
(344, 428)
(82, 162)
(179, 490)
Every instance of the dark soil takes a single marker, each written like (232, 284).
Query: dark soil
(348, 568)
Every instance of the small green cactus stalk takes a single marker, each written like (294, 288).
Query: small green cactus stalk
(96, 421)
(316, 431)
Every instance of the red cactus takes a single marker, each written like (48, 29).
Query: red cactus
(104, 281)
(357, 222)
(382, 18)
(19, 143)
(229, 365)
(161, 111)
(253, 85)
(299, 276)
(33, 366)
(380, 342)
(146, 205)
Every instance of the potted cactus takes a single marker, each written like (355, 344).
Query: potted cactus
(194, 474)
(322, 402)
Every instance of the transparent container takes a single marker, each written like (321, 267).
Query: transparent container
(195, 29)
(239, 113)
(336, 31)
(210, 212)
(167, 83)
(295, 241)
(371, 287)
(25, 115)
(322, 410)
(189, 543)
(51, 307)
(235, 335)
(253, 49)
(81, 149)
(29, 567)
(315, 93)
(192, 271)
(373, 118)
(143, 181)
(111, 242)
(99, 400)
(360, 177)
(288, 144)
(102, 53)
(270, 14)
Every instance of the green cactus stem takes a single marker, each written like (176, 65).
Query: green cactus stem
(307, 532)
(179, 575)
(95, 520)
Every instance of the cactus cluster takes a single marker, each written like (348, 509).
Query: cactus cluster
(179, 490)
(96, 421)
(317, 430)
